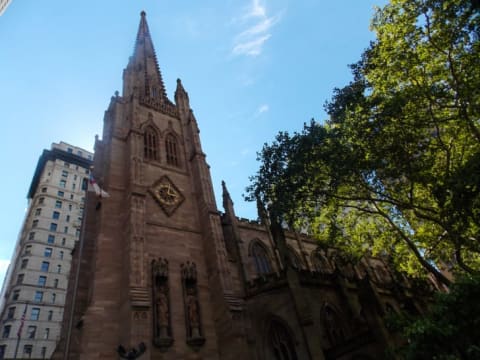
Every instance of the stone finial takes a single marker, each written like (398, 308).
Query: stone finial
(160, 267)
(189, 271)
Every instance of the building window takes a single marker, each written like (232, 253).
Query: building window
(16, 295)
(53, 227)
(47, 333)
(31, 332)
(54, 297)
(48, 252)
(27, 351)
(44, 352)
(58, 204)
(42, 280)
(35, 314)
(79, 153)
(71, 196)
(60, 193)
(34, 223)
(50, 315)
(62, 183)
(281, 343)
(56, 215)
(6, 331)
(69, 207)
(333, 326)
(63, 241)
(55, 283)
(41, 200)
(59, 269)
(38, 211)
(320, 262)
(38, 296)
(3, 350)
(31, 236)
(77, 233)
(44, 189)
(11, 313)
(260, 258)
(60, 255)
(67, 218)
(20, 278)
(51, 239)
(84, 184)
(171, 150)
(70, 150)
(150, 144)
(24, 263)
(65, 229)
(295, 259)
(64, 173)
(28, 250)
(45, 266)
(74, 186)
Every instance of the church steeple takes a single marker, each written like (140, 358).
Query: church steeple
(142, 75)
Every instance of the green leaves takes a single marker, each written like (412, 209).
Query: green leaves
(396, 167)
(450, 330)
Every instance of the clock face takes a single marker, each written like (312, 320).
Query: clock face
(167, 195)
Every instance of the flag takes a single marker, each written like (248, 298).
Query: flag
(22, 321)
(98, 190)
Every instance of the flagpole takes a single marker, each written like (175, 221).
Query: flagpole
(19, 332)
(77, 278)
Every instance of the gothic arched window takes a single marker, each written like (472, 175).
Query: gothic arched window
(171, 150)
(150, 144)
(280, 341)
(320, 263)
(260, 258)
(295, 259)
(333, 326)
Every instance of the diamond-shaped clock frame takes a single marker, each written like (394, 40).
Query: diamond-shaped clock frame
(167, 195)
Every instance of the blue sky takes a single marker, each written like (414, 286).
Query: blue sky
(251, 68)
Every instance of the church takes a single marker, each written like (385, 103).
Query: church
(161, 273)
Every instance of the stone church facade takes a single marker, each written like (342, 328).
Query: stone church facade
(161, 273)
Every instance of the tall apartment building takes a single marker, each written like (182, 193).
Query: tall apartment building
(3, 5)
(36, 283)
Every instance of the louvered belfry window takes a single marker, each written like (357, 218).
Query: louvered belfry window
(171, 150)
(150, 140)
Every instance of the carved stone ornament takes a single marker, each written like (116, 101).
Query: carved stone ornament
(193, 321)
(167, 195)
(161, 305)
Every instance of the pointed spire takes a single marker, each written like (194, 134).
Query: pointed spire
(180, 90)
(227, 201)
(144, 61)
(181, 97)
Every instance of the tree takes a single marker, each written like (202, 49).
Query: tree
(396, 168)
(449, 330)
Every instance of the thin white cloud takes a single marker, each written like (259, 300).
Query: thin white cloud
(245, 151)
(251, 40)
(251, 47)
(257, 9)
(263, 108)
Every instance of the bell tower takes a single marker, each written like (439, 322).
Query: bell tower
(151, 272)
